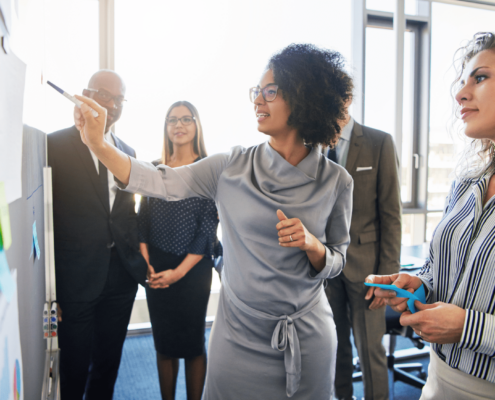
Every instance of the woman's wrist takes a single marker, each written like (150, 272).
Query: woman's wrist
(179, 273)
(317, 254)
(99, 146)
(316, 248)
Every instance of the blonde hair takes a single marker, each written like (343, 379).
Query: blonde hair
(478, 157)
(198, 144)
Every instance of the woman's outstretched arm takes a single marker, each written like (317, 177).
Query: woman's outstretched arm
(196, 180)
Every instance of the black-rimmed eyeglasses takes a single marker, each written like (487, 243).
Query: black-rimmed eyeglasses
(187, 120)
(269, 93)
(105, 96)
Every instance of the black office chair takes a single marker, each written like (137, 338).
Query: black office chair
(401, 372)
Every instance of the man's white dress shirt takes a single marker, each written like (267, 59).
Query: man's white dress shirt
(112, 187)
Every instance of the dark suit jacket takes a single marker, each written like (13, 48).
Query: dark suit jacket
(84, 228)
(376, 215)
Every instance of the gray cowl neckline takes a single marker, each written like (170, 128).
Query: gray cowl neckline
(273, 174)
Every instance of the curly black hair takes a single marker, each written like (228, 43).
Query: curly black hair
(316, 87)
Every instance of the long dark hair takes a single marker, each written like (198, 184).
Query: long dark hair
(314, 84)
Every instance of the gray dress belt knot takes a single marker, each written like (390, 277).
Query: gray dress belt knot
(284, 336)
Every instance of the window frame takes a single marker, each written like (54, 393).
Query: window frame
(382, 20)
(421, 25)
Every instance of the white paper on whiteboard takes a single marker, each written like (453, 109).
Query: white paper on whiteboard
(12, 80)
(6, 10)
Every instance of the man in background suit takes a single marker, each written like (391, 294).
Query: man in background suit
(97, 257)
(370, 157)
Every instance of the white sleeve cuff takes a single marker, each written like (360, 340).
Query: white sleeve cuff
(333, 265)
(478, 334)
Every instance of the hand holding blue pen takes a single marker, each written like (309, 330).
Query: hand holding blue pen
(77, 102)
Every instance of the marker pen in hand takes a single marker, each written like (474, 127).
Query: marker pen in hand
(71, 98)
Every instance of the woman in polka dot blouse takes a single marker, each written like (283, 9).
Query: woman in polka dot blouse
(178, 240)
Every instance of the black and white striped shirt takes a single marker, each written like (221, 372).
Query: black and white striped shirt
(460, 270)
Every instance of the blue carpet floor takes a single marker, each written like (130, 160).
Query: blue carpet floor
(138, 377)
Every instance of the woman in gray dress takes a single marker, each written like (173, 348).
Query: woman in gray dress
(285, 212)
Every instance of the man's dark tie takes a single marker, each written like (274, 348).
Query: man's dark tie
(103, 174)
(332, 155)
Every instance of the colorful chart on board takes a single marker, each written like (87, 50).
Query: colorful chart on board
(5, 376)
(11, 374)
(17, 381)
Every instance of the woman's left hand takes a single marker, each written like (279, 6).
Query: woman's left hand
(436, 323)
(164, 279)
(292, 233)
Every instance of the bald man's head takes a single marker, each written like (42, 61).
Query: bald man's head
(105, 75)
(107, 88)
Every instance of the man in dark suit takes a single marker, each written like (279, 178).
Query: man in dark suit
(97, 257)
(370, 157)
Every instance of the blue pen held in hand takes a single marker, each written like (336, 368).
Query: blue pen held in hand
(77, 102)
(419, 294)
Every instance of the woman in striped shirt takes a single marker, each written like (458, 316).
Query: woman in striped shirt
(459, 317)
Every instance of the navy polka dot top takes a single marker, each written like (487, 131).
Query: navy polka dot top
(181, 227)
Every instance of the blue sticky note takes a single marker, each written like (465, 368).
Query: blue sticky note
(419, 294)
(7, 284)
(37, 252)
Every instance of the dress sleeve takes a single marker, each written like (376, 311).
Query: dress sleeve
(337, 233)
(479, 333)
(205, 239)
(195, 180)
(143, 220)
